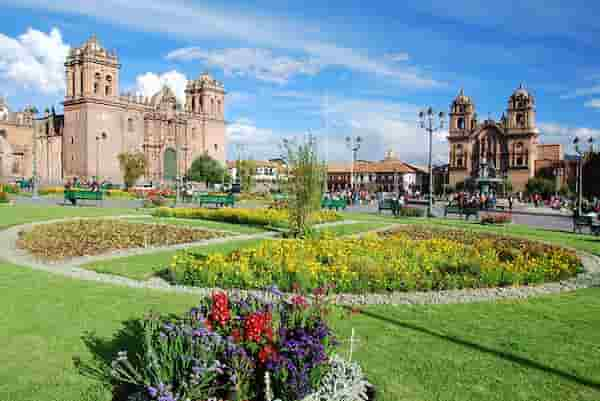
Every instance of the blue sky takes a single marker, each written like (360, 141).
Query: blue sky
(334, 68)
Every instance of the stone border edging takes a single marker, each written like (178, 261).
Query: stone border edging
(589, 278)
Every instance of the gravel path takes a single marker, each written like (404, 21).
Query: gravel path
(9, 252)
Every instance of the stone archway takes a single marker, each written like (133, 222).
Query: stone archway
(170, 164)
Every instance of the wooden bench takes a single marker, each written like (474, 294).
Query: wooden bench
(467, 211)
(217, 200)
(74, 195)
(336, 204)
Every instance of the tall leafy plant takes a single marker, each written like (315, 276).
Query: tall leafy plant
(133, 166)
(246, 170)
(305, 183)
(208, 170)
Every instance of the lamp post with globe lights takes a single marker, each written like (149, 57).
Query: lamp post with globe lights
(353, 143)
(431, 122)
(581, 153)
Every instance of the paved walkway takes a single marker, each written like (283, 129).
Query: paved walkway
(10, 253)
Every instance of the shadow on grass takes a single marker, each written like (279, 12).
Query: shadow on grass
(103, 351)
(487, 350)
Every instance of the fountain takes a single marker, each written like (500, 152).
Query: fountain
(487, 177)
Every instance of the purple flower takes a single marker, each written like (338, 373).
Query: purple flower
(152, 391)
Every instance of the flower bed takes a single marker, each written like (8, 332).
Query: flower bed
(4, 197)
(238, 349)
(59, 241)
(111, 193)
(255, 217)
(411, 259)
(411, 212)
(492, 218)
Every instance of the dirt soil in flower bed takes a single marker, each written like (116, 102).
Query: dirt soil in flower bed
(60, 241)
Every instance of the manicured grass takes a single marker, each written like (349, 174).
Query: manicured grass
(213, 225)
(542, 349)
(357, 228)
(143, 267)
(22, 214)
(45, 322)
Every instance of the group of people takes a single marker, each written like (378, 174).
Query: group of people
(92, 185)
(479, 200)
(363, 197)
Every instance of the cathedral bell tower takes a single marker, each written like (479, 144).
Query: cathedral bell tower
(462, 115)
(521, 110)
(92, 71)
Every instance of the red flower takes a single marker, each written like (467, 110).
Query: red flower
(266, 353)
(235, 333)
(220, 308)
(256, 325)
(299, 300)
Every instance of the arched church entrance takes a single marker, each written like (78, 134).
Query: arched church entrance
(170, 165)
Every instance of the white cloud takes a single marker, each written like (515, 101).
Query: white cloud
(593, 103)
(35, 60)
(150, 83)
(196, 21)
(397, 57)
(258, 63)
(564, 134)
(259, 143)
(581, 92)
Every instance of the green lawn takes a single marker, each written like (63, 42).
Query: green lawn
(22, 214)
(143, 267)
(45, 321)
(544, 349)
(540, 349)
(213, 225)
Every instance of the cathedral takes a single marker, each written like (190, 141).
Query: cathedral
(509, 148)
(99, 123)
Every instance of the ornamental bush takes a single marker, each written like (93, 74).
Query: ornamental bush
(411, 212)
(3, 197)
(223, 349)
(255, 217)
(411, 259)
(492, 218)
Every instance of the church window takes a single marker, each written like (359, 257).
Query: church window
(520, 120)
(95, 88)
(193, 104)
(219, 110)
(459, 156)
(519, 154)
(72, 140)
(216, 147)
(460, 123)
(130, 125)
(212, 106)
(107, 90)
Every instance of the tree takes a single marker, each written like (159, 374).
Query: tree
(542, 186)
(208, 170)
(591, 175)
(245, 171)
(508, 186)
(132, 166)
(305, 184)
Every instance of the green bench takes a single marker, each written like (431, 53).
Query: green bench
(336, 204)
(386, 204)
(579, 223)
(217, 200)
(280, 197)
(74, 195)
(467, 211)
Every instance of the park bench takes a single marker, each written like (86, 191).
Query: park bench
(581, 222)
(217, 200)
(280, 197)
(333, 204)
(74, 195)
(467, 211)
(387, 204)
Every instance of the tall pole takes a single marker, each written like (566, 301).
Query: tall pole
(431, 122)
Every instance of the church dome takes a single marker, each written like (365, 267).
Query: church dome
(164, 95)
(462, 98)
(521, 92)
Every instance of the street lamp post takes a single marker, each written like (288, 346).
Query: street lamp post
(581, 153)
(353, 143)
(431, 122)
(99, 138)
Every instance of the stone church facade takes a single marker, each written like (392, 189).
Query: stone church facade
(510, 146)
(99, 123)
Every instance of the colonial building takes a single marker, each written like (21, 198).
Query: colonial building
(509, 147)
(99, 123)
(16, 137)
(388, 175)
